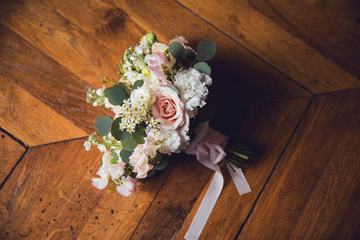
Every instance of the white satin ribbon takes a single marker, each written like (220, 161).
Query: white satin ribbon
(208, 147)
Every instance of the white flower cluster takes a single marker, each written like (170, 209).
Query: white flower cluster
(192, 86)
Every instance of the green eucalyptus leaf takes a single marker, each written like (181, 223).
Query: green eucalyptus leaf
(127, 141)
(103, 125)
(137, 84)
(151, 172)
(173, 88)
(101, 163)
(177, 50)
(116, 132)
(116, 95)
(163, 163)
(203, 67)
(190, 55)
(156, 159)
(140, 127)
(206, 50)
(204, 115)
(138, 137)
(125, 89)
(125, 155)
(115, 158)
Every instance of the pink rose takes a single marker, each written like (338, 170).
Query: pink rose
(128, 187)
(170, 110)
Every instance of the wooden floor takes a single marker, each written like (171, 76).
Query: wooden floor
(293, 66)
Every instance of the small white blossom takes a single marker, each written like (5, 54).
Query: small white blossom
(101, 147)
(87, 145)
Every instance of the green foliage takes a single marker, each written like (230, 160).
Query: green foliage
(163, 163)
(137, 84)
(115, 158)
(151, 172)
(189, 55)
(117, 94)
(206, 50)
(138, 137)
(139, 133)
(127, 141)
(103, 125)
(125, 89)
(174, 88)
(177, 50)
(204, 115)
(203, 67)
(148, 39)
(116, 132)
(156, 159)
(125, 155)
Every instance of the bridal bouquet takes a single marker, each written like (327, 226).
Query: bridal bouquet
(158, 107)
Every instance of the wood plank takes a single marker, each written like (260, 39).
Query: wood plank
(30, 120)
(345, 12)
(316, 29)
(61, 39)
(275, 45)
(24, 199)
(314, 192)
(10, 153)
(50, 196)
(244, 72)
(103, 20)
(267, 129)
(119, 221)
(48, 81)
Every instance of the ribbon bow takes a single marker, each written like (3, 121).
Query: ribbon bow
(208, 147)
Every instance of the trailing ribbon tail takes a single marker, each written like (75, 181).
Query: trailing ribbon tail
(208, 147)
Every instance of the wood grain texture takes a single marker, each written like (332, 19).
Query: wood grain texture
(345, 12)
(50, 196)
(119, 216)
(241, 71)
(304, 186)
(106, 22)
(10, 153)
(62, 40)
(45, 79)
(316, 29)
(266, 128)
(314, 192)
(25, 199)
(30, 120)
(275, 45)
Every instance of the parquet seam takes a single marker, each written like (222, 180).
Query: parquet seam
(275, 167)
(232, 39)
(62, 141)
(14, 138)
(12, 170)
(327, 93)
